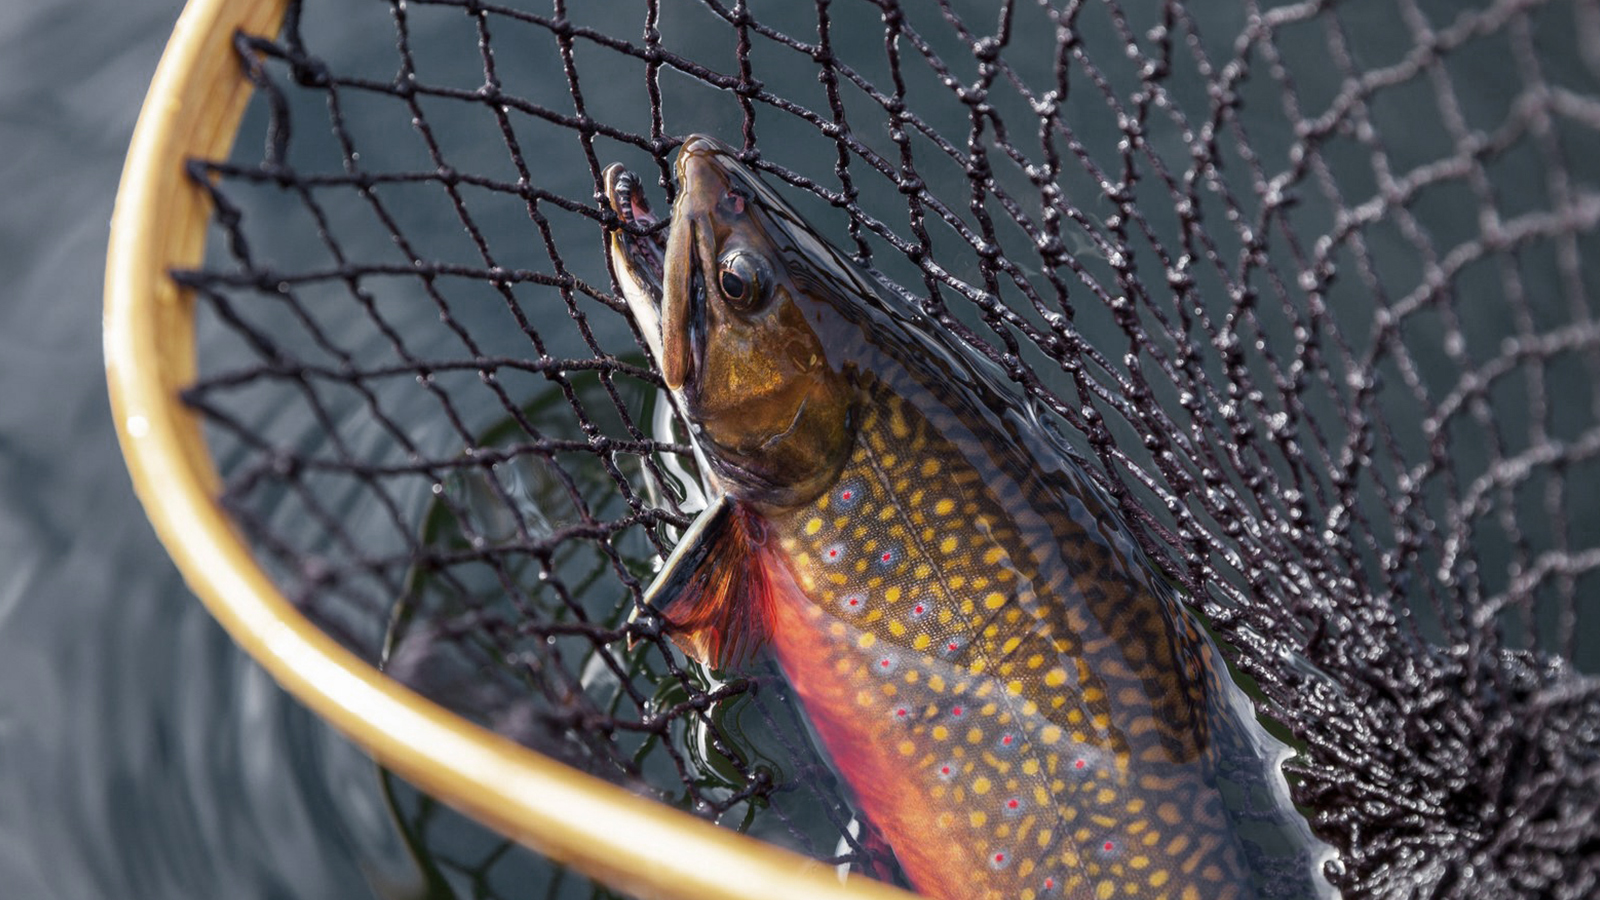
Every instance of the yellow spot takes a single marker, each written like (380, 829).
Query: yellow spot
(948, 545)
(1158, 878)
(978, 818)
(930, 466)
(993, 555)
(956, 581)
(921, 642)
(1050, 734)
(944, 507)
(912, 675)
(936, 684)
(1092, 694)
(1105, 890)
(995, 600)
(907, 748)
(1036, 660)
(836, 629)
(890, 690)
(866, 640)
(1136, 805)
(1106, 795)
(980, 785)
(1190, 892)
(975, 736)
(989, 709)
(1043, 839)
(1178, 845)
(886, 513)
(1139, 862)
(1055, 677)
(1014, 687)
(1030, 767)
(892, 594)
(940, 732)
(863, 698)
(813, 526)
(896, 628)
(1011, 644)
(1168, 812)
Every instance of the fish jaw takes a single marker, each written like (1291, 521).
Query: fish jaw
(636, 249)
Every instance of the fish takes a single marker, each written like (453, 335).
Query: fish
(1018, 702)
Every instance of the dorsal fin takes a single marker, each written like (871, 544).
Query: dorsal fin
(714, 591)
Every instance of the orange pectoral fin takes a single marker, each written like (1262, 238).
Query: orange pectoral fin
(714, 591)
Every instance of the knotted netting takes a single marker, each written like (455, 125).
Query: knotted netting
(1304, 282)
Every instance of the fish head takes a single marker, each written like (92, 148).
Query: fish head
(729, 309)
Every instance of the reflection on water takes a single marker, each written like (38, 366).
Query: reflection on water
(141, 755)
(732, 751)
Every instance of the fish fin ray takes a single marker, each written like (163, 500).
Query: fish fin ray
(714, 592)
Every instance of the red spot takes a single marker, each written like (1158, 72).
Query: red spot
(999, 857)
(944, 770)
(1006, 740)
(1108, 845)
(855, 601)
(953, 646)
(1079, 764)
(833, 554)
(919, 609)
(955, 711)
(884, 663)
(847, 495)
(1012, 804)
(902, 712)
(887, 556)
(1049, 883)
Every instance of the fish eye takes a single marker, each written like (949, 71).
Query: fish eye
(743, 279)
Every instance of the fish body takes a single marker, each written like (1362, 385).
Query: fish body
(1019, 704)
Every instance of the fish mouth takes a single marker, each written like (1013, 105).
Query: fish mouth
(638, 250)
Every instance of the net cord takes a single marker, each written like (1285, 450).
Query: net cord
(632, 844)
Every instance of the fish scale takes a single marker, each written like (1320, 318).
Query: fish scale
(1016, 700)
(920, 600)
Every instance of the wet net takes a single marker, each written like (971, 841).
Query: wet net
(1305, 282)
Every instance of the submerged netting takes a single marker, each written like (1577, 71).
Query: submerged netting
(1305, 282)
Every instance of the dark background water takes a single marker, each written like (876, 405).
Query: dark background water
(141, 754)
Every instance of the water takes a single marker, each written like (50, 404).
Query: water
(141, 754)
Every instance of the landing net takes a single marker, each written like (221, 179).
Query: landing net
(1305, 282)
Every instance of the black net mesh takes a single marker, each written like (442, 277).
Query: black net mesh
(1306, 281)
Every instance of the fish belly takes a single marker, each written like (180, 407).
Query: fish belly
(1012, 715)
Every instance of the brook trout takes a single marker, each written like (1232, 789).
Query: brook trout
(1019, 705)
